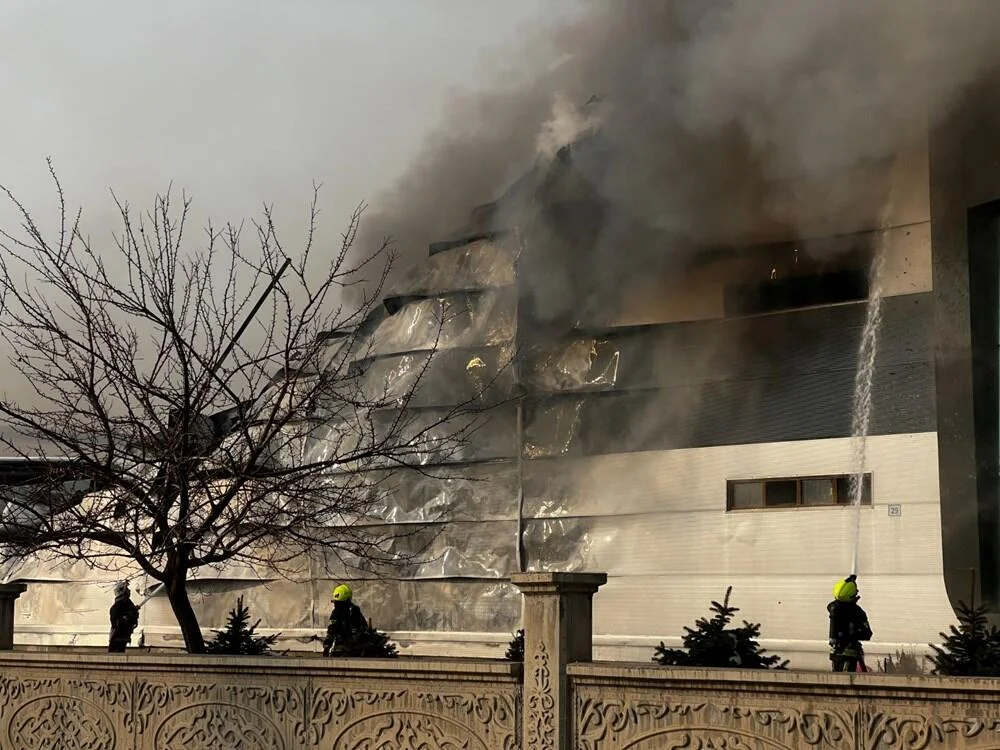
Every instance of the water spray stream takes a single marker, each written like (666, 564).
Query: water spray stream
(862, 407)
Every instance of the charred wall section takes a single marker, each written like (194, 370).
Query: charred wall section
(698, 384)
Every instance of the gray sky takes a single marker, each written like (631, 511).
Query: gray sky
(239, 101)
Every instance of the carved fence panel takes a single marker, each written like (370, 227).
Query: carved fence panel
(147, 703)
(641, 708)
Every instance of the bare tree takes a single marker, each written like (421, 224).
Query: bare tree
(135, 353)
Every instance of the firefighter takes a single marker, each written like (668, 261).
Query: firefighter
(848, 627)
(124, 619)
(346, 619)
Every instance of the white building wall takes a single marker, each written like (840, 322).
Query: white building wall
(783, 563)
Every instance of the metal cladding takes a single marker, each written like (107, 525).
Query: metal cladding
(585, 470)
(446, 349)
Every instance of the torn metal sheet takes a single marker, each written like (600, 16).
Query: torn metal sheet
(616, 422)
(77, 605)
(444, 378)
(331, 441)
(48, 566)
(612, 484)
(583, 363)
(447, 322)
(483, 264)
(277, 604)
(552, 428)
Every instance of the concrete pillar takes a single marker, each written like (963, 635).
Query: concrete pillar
(558, 630)
(8, 595)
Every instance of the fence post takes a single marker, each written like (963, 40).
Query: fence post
(8, 595)
(558, 630)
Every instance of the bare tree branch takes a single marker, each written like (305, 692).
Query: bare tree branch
(129, 352)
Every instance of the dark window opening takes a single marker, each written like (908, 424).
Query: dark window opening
(796, 292)
(811, 492)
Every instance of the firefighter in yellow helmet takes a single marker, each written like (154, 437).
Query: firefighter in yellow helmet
(345, 620)
(848, 627)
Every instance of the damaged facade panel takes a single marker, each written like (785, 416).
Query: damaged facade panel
(713, 382)
(572, 365)
(476, 376)
(759, 411)
(278, 603)
(611, 484)
(463, 319)
(483, 264)
(552, 428)
(822, 339)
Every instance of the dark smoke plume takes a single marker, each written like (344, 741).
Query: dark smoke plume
(715, 114)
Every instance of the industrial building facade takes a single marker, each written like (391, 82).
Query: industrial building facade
(683, 431)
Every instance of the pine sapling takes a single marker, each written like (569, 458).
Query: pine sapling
(366, 643)
(970, 650)
(239, 637)
(712, 643)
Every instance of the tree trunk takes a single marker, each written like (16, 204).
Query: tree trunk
(180, 603)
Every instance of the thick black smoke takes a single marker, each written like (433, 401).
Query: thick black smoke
(712, 111)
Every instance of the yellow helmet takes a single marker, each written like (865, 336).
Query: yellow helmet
(846, 590)
(342, 593)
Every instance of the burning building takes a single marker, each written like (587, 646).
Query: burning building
(665, 344)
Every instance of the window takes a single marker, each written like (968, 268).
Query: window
(810, 492)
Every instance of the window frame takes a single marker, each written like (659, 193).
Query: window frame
(867, 478)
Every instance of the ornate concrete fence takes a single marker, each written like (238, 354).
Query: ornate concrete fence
(641, 708)
(217, 703)
(563, 702)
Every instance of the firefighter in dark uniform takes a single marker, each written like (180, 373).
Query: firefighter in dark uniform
(848, 627)
(124, 619)
(346, 620)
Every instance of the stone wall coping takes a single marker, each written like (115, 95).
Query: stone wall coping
(640, 675)
(554, 582)
(403, 668)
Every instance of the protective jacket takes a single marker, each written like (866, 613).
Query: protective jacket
(346, 619)
(124, 617)
(848, 628)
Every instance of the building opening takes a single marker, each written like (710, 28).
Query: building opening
(797, 275)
